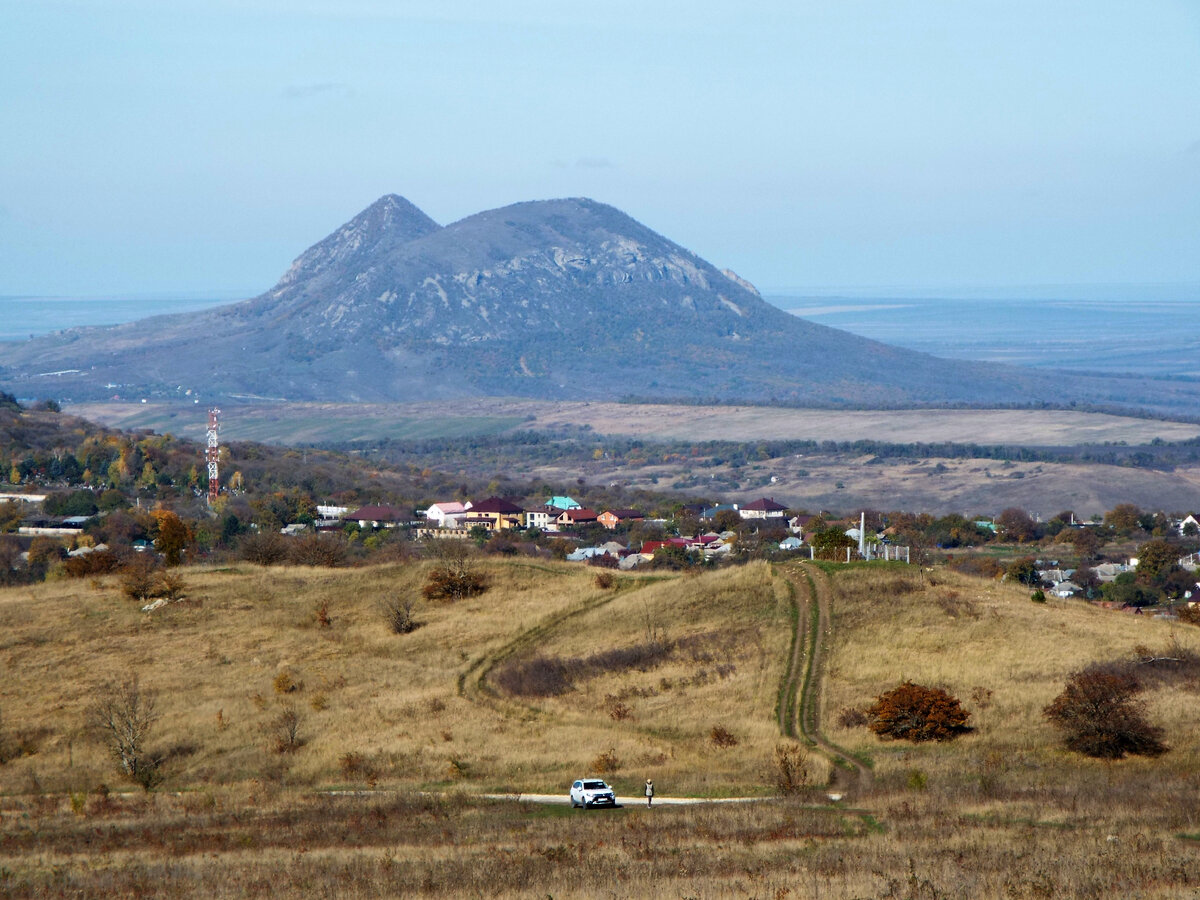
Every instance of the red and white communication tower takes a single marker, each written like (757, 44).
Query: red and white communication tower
(211, 455)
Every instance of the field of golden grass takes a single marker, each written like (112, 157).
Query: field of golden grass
(1002, 812)
(395, 700)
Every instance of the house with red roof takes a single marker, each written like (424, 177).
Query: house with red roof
(571, 517)
(494, 514)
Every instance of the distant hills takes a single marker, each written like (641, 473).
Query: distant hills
(555, 299)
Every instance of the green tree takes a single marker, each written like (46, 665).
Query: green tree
(1157, 559)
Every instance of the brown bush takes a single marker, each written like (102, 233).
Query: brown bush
(397, 614)
(913, 712)
(357, 767)
(618, 710)
(265, 549)
(454, 579)
(286, 682)
(979, 566)
(852, 717)
(605, 580)
(138, 579)
(1100, 716)
(722, 737)
(99, 562)
(606, 762)
(327, 551)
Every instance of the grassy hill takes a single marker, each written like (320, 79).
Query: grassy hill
(424, 724)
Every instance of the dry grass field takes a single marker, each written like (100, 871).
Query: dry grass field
(402, 734)
(293, 423)
(815, 481)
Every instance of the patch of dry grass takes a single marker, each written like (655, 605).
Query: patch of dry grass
(244, 645)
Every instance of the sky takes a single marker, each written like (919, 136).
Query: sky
(199, 147)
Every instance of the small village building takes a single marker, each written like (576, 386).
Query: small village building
(447, 513)
(542, 518)
(763, 508)
(561, 503)
(577, 516)
(611, 518)
(494, 514)
(376, 517)
(710, 512)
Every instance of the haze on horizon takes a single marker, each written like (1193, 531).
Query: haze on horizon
(200, 146)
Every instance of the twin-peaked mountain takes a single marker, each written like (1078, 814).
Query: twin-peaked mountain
(567, 299)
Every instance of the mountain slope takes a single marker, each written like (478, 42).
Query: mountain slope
(550, 299)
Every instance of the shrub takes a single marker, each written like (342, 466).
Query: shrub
(722, 737)
(138, 579)
(913, 712)
(790, 768)
(99, 562)
(541, 676)
(357, 767)
(445, 584)
(321, 614)
(327, 551)
(605, 580)
(123, 715)
(1100, 717)
(1038, 596)
(265, 549)
(284, 730)
(606, 762)
(618, 710)
(397, 613)
(286, 682)
(852, 717)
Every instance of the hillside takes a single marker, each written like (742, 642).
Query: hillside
(1002, 808)
(559, 299)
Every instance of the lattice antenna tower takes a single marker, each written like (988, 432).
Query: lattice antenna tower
(211, 455)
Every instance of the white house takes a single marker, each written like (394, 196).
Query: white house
(447, 514)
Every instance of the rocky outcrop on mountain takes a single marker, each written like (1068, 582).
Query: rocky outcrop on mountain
(550, 299)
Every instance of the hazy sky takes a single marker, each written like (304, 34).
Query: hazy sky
(173, 145)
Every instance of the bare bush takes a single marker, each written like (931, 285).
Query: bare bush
(605, 580)
(852, 717)
(327, 551)
(284, 730)
(398, 614)
(123, 715)
(264, 549)
(1100, 716)
(790, 768)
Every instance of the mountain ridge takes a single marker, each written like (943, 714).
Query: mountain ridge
(555, 299)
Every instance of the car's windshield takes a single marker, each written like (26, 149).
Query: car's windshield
(595, 785)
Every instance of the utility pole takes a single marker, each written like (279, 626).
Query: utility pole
(212, 454)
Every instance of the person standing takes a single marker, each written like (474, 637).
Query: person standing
(649, 793)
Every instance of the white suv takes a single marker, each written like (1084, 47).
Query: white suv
(592, 792)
